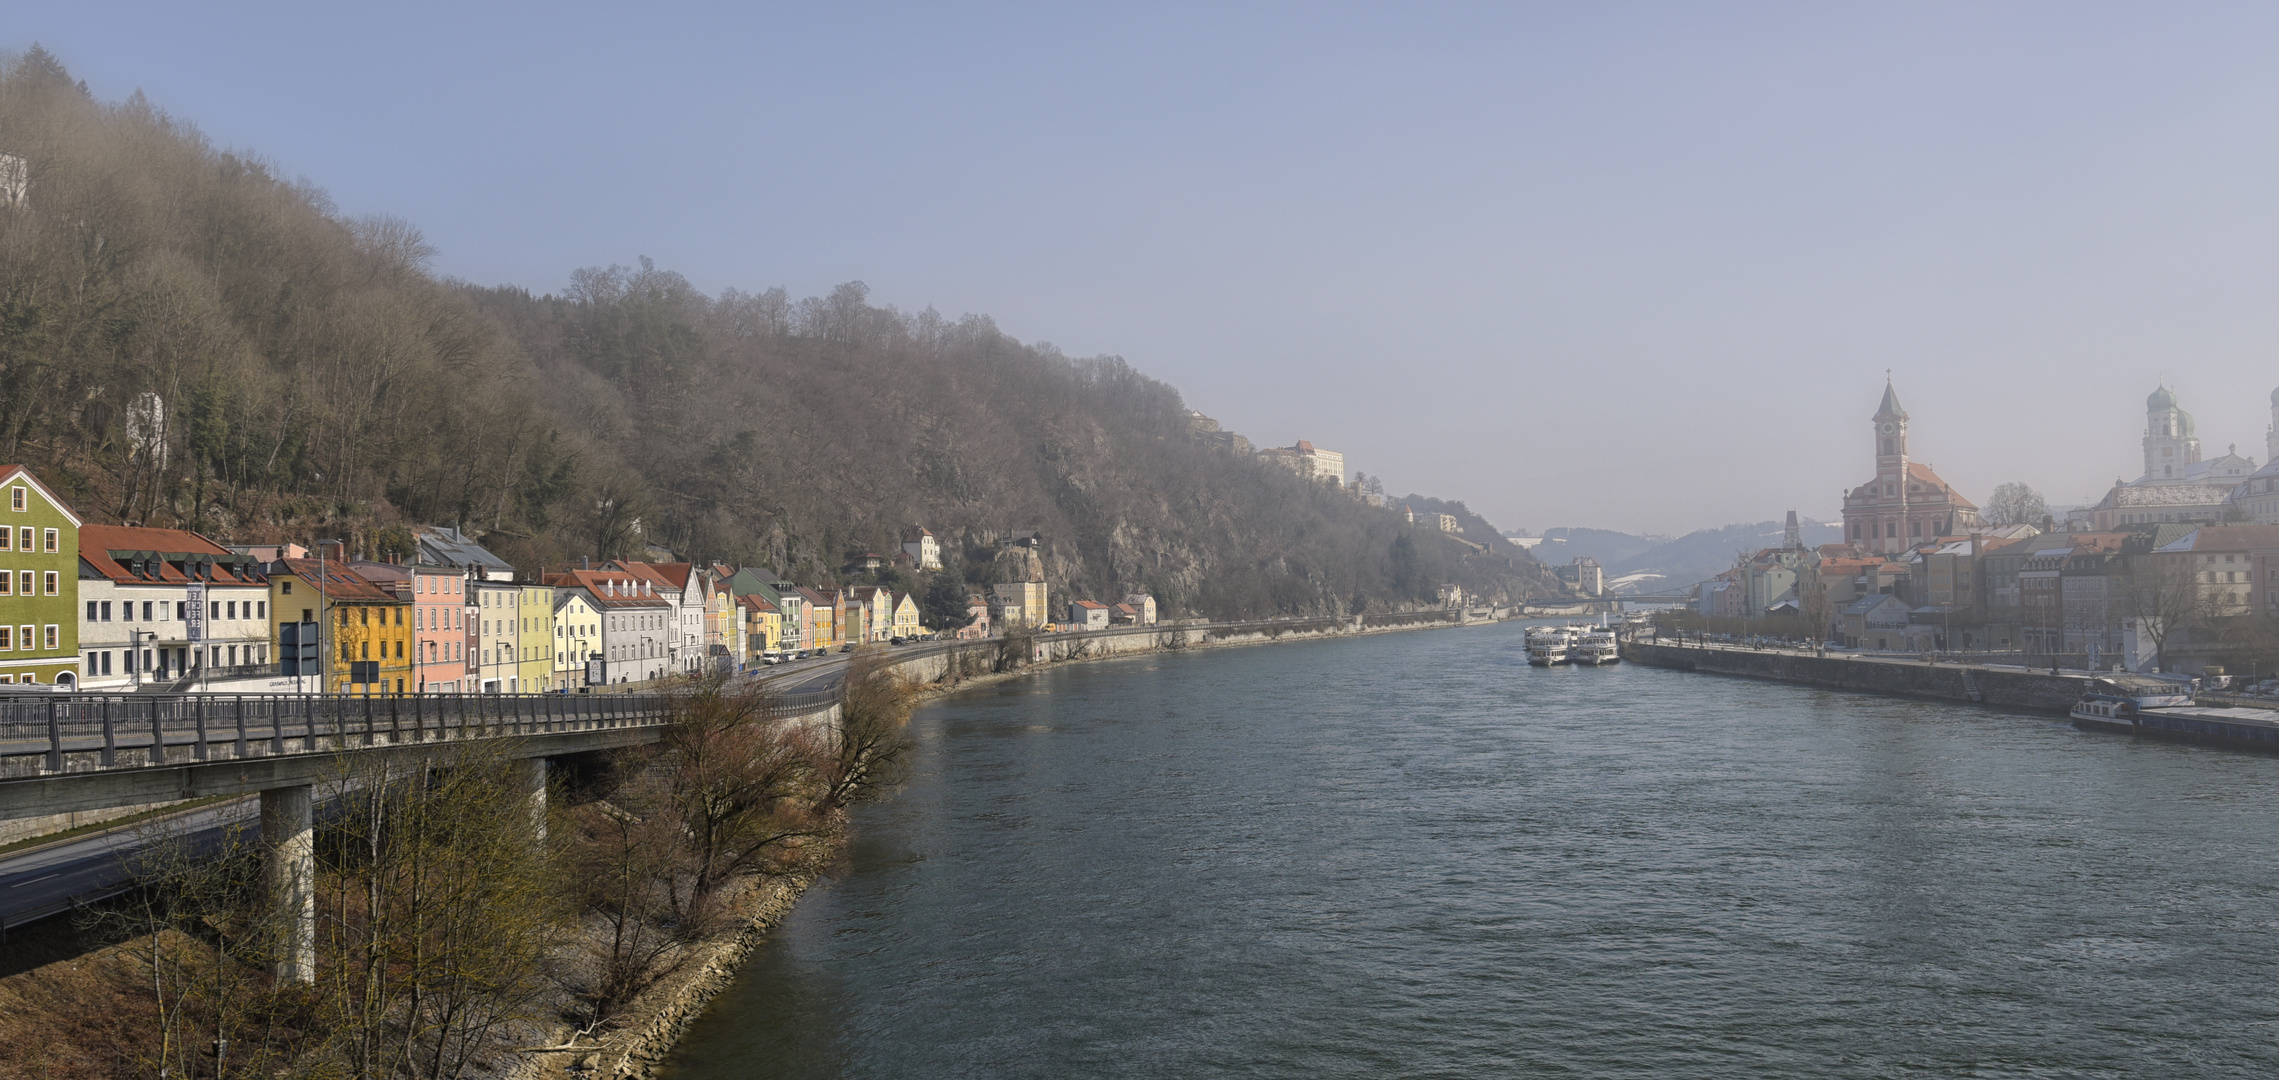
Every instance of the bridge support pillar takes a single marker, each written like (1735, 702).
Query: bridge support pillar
(287, 833)
(531, 785)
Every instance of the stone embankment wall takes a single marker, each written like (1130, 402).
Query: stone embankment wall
(1168, 637)
(2007, 687)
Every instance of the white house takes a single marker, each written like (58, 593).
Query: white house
(923, 550)
(159, 605)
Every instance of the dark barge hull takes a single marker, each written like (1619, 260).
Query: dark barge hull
(2192, 730)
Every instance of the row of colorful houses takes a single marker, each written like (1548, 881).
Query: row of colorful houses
(106, 607)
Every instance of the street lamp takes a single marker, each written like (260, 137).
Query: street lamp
(135, 639)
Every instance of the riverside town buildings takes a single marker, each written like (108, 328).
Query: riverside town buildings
(2170, 571)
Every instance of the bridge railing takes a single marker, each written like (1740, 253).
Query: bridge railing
(61, 733)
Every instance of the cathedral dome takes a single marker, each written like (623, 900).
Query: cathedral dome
(2275, 399)
(2163, 399)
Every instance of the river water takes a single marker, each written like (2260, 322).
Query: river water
(1415, 856)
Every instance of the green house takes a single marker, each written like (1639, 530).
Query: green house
(39, 601)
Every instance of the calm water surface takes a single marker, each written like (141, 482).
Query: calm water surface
(1415, 856)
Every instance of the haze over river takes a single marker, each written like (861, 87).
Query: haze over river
(1415, 856)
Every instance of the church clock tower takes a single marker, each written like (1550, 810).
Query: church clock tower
(1890, 435)
(1906, 505)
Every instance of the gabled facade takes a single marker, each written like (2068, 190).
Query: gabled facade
(577, 637)
(906, 617)
(39, 643)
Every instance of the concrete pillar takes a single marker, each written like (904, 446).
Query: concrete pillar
(288, 835)
(531, 784)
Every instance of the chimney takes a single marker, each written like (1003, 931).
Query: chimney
(585, 563)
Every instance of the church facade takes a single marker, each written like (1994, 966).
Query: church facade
(1906, 504)
(2172, 448)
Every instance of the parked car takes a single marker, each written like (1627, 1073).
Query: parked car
(848, 647)
(895, 640)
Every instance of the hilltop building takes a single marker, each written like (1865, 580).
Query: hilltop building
(1906, 503)
(1309, 461)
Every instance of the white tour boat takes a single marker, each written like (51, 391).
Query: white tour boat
(1596, 646)
(1546, 645)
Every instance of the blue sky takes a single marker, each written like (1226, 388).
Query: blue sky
(1634, 266)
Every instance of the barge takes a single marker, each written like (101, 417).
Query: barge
(2157, 709)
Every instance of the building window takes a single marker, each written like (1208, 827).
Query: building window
(51, 637)
(7, 639)
(24, 583)
(286, 587)
(54, 541)
(261, 609)
(16, 498)
(54, 583)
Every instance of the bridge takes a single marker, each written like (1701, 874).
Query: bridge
(62, 753)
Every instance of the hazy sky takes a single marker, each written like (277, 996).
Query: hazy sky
(1622, 265)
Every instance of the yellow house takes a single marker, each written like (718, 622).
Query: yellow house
(905, 617)
(535, 639)
(763, 625)
(577, 637)
(364, 631)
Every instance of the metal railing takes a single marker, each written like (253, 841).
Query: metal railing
(60, 733)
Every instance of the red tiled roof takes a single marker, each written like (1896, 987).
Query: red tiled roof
(338, 583)
(1091, 604)
(97, 542)
(599, 584)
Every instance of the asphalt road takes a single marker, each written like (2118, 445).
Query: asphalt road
(48, 881)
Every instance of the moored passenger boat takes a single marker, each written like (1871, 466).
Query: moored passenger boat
(1595, 647)
(1547, 645)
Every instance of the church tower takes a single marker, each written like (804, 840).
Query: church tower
(2271, 434)
(1906, 504)
(2170, 443)
(1890, 435)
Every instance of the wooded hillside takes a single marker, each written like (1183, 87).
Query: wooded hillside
(189, 339)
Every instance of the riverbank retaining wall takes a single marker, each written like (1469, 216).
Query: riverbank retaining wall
(979, 655)
(2007, 687)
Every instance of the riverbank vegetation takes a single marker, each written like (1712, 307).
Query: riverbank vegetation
(458, 931)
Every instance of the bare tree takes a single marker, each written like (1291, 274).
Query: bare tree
(2164, 594)
(873, 738)
(2014, 503)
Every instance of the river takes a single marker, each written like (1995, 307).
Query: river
(1414, 856)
